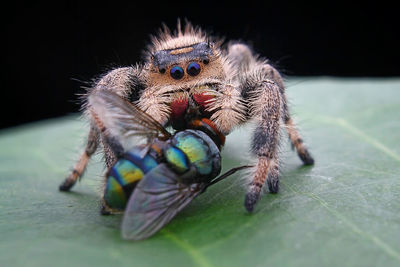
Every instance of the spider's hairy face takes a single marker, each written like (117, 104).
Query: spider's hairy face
(184, 65)
(184, 72)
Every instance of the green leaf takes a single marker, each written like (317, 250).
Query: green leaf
(344, 211)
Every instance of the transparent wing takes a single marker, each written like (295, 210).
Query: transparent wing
(124, 119)
(157, 199)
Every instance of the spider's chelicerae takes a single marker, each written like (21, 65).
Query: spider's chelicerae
(189, 70)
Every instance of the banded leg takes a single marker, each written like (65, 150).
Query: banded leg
(125, 82)
(273, 177)
(80, 166)
(265, 104)
(297, 142)
(294, 135)
(262, 88)
(111, 145)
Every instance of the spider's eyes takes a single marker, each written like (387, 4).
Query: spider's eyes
(193, 69)
(176, 72)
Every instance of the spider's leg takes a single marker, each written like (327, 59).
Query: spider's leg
(262, 89)
(294, 135)
(112, 151)
(265, 106)
(112, 146)
(80, 165)
(126, 83)
(297, 142)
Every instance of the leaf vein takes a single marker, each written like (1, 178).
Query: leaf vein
(379, 242)
(194, 253)
(357, 132)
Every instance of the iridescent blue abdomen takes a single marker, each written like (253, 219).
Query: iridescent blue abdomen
(124, 175)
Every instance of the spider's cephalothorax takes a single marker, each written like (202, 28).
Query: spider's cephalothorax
(187, 74)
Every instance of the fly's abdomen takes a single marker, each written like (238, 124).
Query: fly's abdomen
(123, 177)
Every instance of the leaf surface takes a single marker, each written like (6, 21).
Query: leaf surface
(344, 211)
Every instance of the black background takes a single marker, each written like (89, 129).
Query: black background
(52, 49)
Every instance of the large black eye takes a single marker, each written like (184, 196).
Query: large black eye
(193, 69)
(177, 72)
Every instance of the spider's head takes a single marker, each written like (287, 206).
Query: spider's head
(184, 59)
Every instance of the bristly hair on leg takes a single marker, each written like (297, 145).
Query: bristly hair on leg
(228, 109)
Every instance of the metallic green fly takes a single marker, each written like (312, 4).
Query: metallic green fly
(151, 183)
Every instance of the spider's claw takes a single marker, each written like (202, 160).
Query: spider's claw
(306, 157)
(67, 184)
(63, 187)
(251, 200)
(273, 184)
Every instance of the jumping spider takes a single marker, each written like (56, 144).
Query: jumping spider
(229, 85)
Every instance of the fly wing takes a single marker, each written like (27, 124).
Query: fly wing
(124, 119)
(157, 199)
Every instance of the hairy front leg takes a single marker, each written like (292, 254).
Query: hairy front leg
(294, 135)
(228, 108)
(264, 100)
(80, 165)
(262, 88)
(125, 82)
